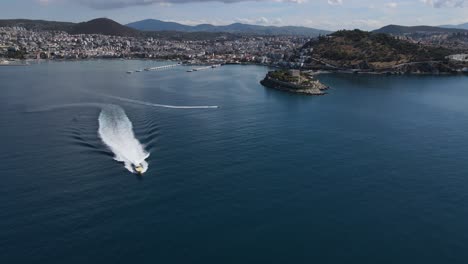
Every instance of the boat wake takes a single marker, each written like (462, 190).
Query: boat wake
(116, 131)
(158, 105)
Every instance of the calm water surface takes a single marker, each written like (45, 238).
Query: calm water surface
(374, 172)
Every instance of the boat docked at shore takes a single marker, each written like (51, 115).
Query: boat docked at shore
(13, 63)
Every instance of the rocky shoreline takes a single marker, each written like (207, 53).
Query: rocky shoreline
(309, 87)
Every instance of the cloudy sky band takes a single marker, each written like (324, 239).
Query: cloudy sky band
(325, 14)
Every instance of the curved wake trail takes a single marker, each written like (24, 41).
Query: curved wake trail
(56, 107)
(159, 105)
(116, 131)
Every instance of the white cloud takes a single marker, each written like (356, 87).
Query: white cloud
(165, 4)
(332, 24)
(365, 23)
(44, 2)
(277, 21)
(290, 1)
(194, 22)
(391, 5)
(444, 3)
(262, 20)
(110, 4)
(335, 2)
(259, 21)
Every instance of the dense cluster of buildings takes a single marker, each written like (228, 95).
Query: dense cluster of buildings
(17, 42)
(451, 40)
(459, 57)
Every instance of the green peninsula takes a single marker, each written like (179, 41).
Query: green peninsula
(293, 81)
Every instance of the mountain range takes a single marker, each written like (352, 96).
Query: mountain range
(460, 26)
(107, 26)
(172, 30)
(397, 29)
(158, 25)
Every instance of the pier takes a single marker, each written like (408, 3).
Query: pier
(205, 68)
(162, 67)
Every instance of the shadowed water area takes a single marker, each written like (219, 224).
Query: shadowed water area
(374, 172)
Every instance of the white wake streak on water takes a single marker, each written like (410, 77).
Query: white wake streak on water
(58, 107)
(116, 131)
(158, 105)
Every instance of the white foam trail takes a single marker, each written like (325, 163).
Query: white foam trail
(56, 107)
(158, 105)
(116, 131)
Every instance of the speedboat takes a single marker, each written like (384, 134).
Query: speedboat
(138, 168)
(129, 72)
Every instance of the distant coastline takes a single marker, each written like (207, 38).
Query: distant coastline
(422, 68)
(345, 51)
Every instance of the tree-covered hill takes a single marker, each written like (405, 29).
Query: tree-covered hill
(366, 50)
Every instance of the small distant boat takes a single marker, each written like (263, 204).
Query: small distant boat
(190, 71)
(129, 72)
(13, 63)
(138, 70)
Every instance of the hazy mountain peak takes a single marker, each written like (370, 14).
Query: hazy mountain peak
(158, 25)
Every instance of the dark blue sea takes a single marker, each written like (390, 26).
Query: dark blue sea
(374, 172)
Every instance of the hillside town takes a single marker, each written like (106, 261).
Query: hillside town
(20, 43)
(456, 41)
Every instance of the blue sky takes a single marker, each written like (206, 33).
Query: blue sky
(324, 14)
